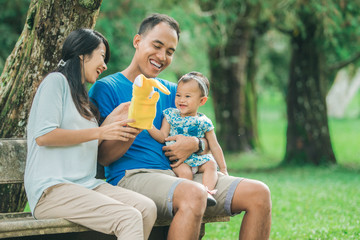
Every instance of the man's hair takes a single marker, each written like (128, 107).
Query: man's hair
(154, 19)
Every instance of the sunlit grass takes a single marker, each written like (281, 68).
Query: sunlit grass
(308, 203)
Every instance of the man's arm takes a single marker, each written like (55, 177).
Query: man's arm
(112, 150)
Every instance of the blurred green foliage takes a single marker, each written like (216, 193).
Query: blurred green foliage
(207, 23)
(12, 20)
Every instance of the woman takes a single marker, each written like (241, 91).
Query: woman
(63, 137)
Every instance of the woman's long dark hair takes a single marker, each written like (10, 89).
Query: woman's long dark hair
(81, 42)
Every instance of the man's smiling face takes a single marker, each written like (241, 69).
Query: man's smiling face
(155, 49)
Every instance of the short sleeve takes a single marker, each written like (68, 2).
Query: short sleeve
(48, 104)
(206, 124)
(166, 114)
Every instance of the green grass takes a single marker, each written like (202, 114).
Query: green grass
(308, 202)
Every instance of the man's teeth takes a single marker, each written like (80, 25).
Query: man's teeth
(156, 64)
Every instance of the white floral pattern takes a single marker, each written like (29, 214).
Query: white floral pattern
(191, 126)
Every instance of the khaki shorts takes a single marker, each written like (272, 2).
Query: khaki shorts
(159, 185)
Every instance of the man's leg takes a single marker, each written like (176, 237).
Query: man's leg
(235, 195)
(181, 200)
(189, 204)
(253, 197)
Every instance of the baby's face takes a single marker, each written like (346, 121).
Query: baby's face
(188, 98)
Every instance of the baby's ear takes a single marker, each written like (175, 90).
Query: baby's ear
(203, 100)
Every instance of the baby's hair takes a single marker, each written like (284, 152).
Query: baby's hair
(203, 82)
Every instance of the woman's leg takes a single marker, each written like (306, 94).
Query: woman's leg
(145, 205)
(91, 209)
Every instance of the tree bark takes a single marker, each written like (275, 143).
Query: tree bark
(36, 53)
(234, 97)
(233, 71)
(308, 138)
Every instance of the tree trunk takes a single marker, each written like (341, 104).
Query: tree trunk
(36, 53)
(234, 97)
(308, 139)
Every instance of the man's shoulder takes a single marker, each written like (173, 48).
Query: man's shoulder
(112, 82)
(112, 78)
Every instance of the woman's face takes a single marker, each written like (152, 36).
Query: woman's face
(94, 64)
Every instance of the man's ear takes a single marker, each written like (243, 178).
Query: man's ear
(203, 100)
(136, 40)
(81, 57)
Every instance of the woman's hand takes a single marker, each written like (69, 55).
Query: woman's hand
(120, 113)
(118, 130)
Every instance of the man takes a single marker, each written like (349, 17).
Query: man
(142, 164)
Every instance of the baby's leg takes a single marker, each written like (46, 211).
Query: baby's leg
(183, 171)
(210, 174)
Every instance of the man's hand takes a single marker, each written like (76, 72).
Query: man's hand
(181, 149)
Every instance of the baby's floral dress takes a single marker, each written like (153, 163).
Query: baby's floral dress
(190, 126)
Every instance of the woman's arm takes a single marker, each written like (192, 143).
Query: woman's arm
(162, 133)
(216, 151)
(66, 137)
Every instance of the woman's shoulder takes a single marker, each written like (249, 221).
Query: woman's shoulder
(55, 78)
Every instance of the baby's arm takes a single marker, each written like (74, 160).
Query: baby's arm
(216, 151)
(160, 135)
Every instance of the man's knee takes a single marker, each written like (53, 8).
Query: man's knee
(251, 195)
(261, 196)
(190, 196)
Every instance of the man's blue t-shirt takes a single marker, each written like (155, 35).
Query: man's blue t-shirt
(145, 152)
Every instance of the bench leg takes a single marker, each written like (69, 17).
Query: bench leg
(202, 231)
(159, 233)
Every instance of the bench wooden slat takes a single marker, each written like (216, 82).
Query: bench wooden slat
(23, 224)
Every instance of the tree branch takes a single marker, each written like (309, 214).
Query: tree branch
(344, 63)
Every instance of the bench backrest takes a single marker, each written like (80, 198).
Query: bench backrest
(12, 167)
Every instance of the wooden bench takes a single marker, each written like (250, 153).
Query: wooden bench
(16, 224)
